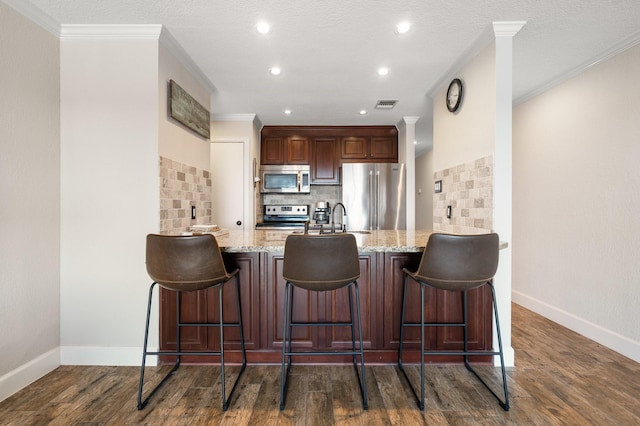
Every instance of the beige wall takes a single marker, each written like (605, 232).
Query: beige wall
(576, 198)
(175, 141)
(424, 190)
(30, 206)
(469, 133)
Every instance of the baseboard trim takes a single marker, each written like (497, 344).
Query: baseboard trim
(102, 355)
(28, 373)
(614, 341)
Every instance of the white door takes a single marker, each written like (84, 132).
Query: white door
(227, 184)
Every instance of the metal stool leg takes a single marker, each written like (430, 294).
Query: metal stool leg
(286, 327)
(225, 400)
(403, 323)
(363, 382)
(142, 403)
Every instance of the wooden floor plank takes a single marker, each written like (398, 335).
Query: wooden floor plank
(559, 378)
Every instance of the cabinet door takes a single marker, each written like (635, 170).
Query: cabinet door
(324, 161)
(305, 308)
(384, 149)
(479, 324)
(202, 306)
(297, 150)
(337, 309)
(272, 150)
(392, 302)
(354, 148)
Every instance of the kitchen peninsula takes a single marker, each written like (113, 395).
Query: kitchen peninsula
(383, 254)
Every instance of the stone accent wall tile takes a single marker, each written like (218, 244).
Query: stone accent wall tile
(183, 186)
(468, 189)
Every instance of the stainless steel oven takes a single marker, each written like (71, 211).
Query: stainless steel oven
(285, 179)
(284, 217)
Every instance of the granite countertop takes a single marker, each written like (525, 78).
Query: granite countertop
(250, 241)
(273, 241)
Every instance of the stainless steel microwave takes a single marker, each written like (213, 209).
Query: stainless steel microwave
(285, 179)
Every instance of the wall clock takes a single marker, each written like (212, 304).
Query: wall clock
(454, 95)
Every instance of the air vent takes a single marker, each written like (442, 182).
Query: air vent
(386, 104)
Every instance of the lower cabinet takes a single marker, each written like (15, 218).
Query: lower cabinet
(380, 285)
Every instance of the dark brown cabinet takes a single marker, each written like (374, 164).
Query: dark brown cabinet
(279, 150)
(380, 284)
(325, 167)
(325, 148)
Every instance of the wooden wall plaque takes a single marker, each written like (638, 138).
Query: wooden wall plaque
(187, 111)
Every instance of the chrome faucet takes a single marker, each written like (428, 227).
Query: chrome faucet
(333, 223)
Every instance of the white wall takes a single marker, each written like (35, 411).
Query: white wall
(576, 196)
(30, 206)
(110, 196)
(424, 190)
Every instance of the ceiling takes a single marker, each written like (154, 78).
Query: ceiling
(330, 50)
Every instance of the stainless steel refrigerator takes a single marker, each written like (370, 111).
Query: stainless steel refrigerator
(374, 195)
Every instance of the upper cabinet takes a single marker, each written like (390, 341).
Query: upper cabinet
(284, 150)
(325, 167)
(325, 148)
(378, 149)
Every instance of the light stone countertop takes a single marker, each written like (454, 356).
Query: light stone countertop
(273, 241)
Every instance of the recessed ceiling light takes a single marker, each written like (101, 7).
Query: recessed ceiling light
(403, 27)
(363, 112)
(383, 71)
(275, 71)
(263, 27)
(287, 111)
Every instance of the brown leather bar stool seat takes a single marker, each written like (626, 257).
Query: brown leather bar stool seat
(321, 263)
(189, 263)
(455, 263)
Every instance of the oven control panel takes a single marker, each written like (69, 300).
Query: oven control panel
(286, 210)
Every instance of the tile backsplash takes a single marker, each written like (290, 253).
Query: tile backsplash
(468, 189)
(183, 186)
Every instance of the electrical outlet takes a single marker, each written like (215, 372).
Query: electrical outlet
(193, 212)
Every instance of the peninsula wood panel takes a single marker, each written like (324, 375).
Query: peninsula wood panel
(203, 306)
(380, 283)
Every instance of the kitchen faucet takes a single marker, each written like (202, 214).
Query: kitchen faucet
(344, 214)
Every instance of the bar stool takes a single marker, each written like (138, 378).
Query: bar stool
(455, 263)
(321, 263)
(189, 263)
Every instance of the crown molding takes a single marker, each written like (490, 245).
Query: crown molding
(35, 15)
(137, 32)
(168, 41)
(507, 28)
(497, 29)
(485, 39)
(615, 50)
(110, 32)
(410, 119)
(233, 117)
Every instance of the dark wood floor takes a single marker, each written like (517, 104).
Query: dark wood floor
(560, 378)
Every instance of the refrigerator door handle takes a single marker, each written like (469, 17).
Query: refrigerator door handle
(371, 203)
(377, 204)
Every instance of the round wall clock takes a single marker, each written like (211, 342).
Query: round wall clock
(454, 95)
